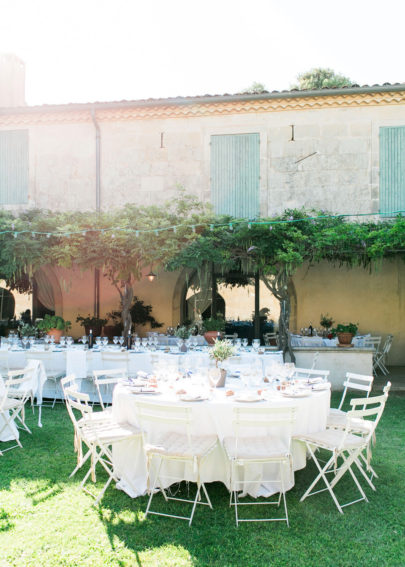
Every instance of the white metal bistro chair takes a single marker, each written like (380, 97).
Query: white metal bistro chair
(381, 356)
(259, 449)
(104, 380)
(271, 340)
(17, 391)
(113, 360)
(357, 382)
(47, 359)
(98, 434)
(345, 445)
(168, 439)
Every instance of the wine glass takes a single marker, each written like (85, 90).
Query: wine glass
(32, 341)
(62, 341)
(121, 340)
(84, 339)
(52, 338)
(137, 343)
(69, 341)
(244, 343)
(24, 341)
(105, 341)
(115, 340)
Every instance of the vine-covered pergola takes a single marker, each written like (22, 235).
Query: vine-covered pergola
(184, 233)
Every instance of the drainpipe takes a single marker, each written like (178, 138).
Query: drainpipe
(98, 207)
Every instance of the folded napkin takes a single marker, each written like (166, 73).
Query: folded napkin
(321, 386)
(76, 363)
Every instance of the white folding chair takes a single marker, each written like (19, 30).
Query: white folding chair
(167, 437)
(345, 444)
(17, 391)
(358, 382)
(47, 359)
(380, 356)
(271, 340)
(104, 380)
(98, 434)
(113, 360)
(315, 360)
(260, 449)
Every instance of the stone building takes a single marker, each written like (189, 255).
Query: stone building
(338, 150)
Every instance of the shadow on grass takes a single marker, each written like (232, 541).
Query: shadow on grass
(5, 522)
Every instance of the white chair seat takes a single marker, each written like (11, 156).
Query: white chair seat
(11, 403)
(255, 448)
(332, 439)
(357, 425)
(179, 445)
(336, 412)
(109, 432)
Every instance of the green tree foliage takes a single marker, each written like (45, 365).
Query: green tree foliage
(255, 88)
(320, 78)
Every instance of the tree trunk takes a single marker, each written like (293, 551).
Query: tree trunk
(126, 301)
(278, 285)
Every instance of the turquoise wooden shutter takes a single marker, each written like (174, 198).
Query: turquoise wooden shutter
(235, 174)
(392, 169)
(13, 167)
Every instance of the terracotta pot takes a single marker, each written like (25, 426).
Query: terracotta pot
(111, 331)
(345, 339)
(210, 336)
(96, 331)
(57, 333)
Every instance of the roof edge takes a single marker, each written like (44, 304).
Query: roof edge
(205, 99)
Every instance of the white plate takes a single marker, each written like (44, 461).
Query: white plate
(143, 391)
(248, 399)
(299, 394)
(192, 398)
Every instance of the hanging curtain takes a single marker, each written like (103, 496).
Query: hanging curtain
(45, 291)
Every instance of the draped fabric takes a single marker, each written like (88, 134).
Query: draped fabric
(45, 291)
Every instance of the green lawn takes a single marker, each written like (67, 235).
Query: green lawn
(46, 520)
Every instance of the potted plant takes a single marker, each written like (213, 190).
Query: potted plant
(345, 333)
(213, 327)
(183, 333)
(93, 323)
(53, 325)
(220, 352)
(326, 321)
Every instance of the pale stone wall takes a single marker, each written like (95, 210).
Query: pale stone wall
(376, 300)
(145, 161)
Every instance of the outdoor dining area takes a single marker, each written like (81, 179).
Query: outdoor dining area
(150, 417)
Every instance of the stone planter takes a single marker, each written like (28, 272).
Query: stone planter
(222, 380)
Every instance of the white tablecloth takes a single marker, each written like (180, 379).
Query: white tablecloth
(211, 417)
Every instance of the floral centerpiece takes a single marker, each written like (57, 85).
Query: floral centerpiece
(220, 352)
(326, 321)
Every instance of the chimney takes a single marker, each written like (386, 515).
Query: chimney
(12, 80)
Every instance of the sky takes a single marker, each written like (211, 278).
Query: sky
(105, 50)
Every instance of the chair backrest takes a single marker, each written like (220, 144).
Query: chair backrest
(255, 422)
(69, 382)
(310, 373)
(103, 378)
(315, 359)
(19, 384)
(113, 360)
(359, 382)
(4, 354)
(79, 401)
(387, 345)
(167, 418)
(371, 408)
(373, 342)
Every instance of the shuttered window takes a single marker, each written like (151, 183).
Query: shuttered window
(13, 167)
(392, 169)
(235, 174)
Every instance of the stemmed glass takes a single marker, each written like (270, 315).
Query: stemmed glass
(105, 341)
(256, 344)
(121, 340)
(115, 340)
(244, 343)
(62, 341)
(69, 341)
(24, 341)
(137, 343)
(32, 342)
(98, 342)
(52, 338)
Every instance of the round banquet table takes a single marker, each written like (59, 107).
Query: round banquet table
(213, 416)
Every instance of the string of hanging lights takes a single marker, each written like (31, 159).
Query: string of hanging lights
(193, 227)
